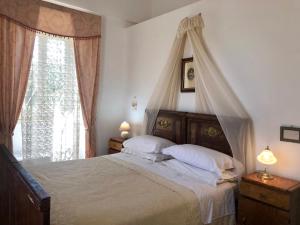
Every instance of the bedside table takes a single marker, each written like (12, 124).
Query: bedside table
(269, 202)
(115, 145)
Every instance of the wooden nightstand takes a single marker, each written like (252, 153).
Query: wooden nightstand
(269, 202)
(115, 145)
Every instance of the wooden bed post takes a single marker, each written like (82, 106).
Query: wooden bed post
(22, 200)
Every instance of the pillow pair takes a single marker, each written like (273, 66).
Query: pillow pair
(158, 149)
(148, 147)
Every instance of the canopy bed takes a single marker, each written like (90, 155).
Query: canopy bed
(113, 189)
(126, 190)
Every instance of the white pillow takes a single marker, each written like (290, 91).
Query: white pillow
(201, 157)
(147, 144)
(202, 175)
(154, 157)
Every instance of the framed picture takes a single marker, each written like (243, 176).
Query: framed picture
(187, 75)
(290, 134)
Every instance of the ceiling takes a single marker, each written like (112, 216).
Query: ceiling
(160, 7)
(134, 11)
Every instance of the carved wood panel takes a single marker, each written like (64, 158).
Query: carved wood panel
(171, 125)
(205, 130)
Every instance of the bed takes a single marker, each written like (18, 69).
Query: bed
(118, 189)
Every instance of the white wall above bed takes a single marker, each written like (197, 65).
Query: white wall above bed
(255, 43)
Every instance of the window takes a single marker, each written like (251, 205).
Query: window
(51, 125)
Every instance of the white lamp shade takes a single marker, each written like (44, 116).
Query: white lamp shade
(125, 126)
(267, 157)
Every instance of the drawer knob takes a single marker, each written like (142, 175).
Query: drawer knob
(244, 221)
(262, 196)
(30, 199)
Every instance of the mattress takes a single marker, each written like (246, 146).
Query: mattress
(125, 190)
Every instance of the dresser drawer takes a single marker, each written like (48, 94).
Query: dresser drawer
(113, 151)
(252, 212)
(115, 145)
(260, 193)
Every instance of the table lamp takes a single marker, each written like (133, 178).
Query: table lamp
(266, 157)
(125, 128)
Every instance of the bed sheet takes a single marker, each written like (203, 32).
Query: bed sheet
(215, 201)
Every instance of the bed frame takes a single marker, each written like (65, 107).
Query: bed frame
(192, 128)
(24, 202)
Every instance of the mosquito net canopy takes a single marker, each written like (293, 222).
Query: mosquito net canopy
(213, 94)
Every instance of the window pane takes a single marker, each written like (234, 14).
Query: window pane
(51, 124)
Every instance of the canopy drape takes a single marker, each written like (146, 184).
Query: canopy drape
(213, 94)
(20, 19)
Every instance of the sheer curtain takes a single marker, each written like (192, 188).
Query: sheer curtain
(213, 94)
(51, 124)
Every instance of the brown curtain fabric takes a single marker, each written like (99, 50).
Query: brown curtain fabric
(53, 19)
(87, 56)
(16, 48)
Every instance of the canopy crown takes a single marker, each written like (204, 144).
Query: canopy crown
(190, 24)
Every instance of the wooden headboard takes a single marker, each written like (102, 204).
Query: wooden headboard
(205, 130)
(171, 125)
(192, 128)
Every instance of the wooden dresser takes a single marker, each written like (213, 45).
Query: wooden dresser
(269, 202)
(115, 145)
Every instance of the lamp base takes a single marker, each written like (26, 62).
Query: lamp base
(125, 134)
(264, 175)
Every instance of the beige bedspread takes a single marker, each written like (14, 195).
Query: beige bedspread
(106, 191)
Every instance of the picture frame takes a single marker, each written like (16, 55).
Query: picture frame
(187, 75)
(290, 134)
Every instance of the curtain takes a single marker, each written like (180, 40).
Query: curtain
(87, 64)
(41, 16)
(51, 124)
(16, 44)
(213, 94)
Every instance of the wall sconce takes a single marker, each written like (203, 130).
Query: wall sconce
(134, 103)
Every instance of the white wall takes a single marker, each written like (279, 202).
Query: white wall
(112, 92)
(255, 43)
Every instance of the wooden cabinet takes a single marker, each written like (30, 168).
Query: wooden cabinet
(269, 202)
(115, 145)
